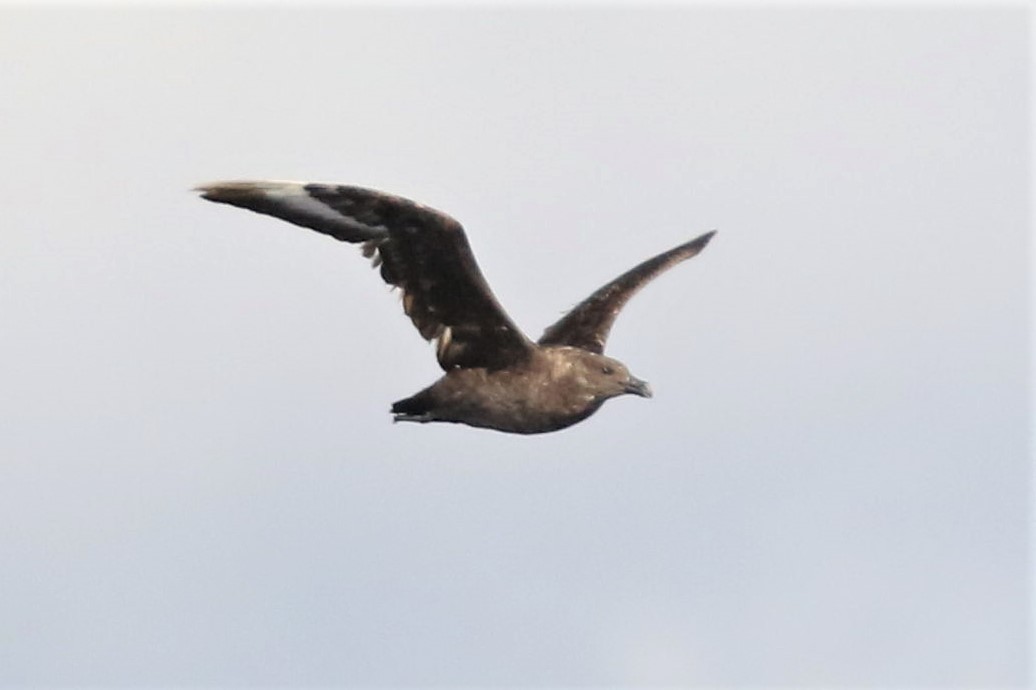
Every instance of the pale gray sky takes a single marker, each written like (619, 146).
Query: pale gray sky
(200, 483)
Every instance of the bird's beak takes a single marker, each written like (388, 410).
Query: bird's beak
(638, 387)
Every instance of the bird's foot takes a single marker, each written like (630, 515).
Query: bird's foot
(405, 417)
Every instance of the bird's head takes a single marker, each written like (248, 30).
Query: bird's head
(608, 377)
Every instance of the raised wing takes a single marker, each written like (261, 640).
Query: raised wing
(420, 250)
(589, 322)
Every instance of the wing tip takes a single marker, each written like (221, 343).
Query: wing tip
(225, 191)
(702, 240)
(229, 190)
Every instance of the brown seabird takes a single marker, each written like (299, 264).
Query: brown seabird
(496, 377)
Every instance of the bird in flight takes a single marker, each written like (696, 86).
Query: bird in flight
(496, 377)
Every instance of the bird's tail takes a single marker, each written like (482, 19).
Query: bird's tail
(416, 408)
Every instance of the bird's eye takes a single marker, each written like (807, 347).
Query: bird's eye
(607, 371)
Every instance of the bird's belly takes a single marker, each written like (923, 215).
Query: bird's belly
(510, 402)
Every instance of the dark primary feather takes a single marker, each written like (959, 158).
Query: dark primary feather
(588, 324)
(420, 250)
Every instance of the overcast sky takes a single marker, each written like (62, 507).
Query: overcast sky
(200, 483)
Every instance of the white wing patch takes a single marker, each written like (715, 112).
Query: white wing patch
(293, 198)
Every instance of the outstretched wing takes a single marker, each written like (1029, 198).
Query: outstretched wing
(589, 322)
(420, 250)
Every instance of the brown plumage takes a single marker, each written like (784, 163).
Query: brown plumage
(495, 376)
